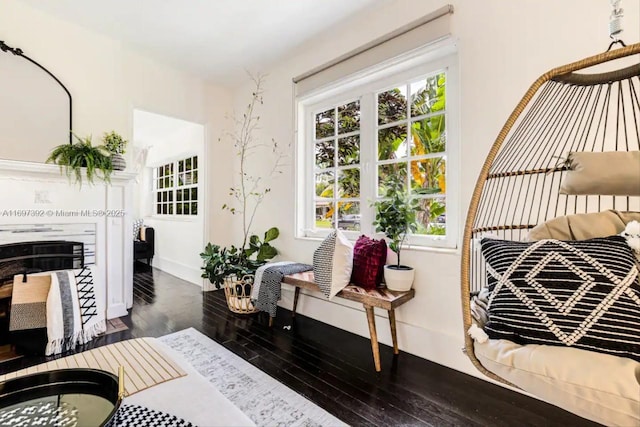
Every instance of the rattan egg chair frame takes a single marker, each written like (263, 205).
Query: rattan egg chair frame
(519, 184)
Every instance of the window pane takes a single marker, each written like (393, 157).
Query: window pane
(349, 150)
(159, 209)
(349, 183)
(178, 208)
(390, 173)
(181, 166)
(324, 154)
(187, 165)
(160, 183)
(194, 176)
(392, 105)
(194, 194)
(188, 178)
(168, 182)
(325, 124)
(170, 208)
(432, 219)
(428, 96)
(324, 184)
(179, 195)
(194, 208)
(171, 196)
(349, 117)
(185, 195)
(170, 168)
(428, 176)
(185, 208)
(392, 143)
(165, 209)
(324, 214)
(164, 196)
(195, 162)
(349, 216)
(428, 136)
(158, 197)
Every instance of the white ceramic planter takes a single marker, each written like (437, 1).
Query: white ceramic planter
(398, 279)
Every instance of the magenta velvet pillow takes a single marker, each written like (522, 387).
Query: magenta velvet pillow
(369, 257)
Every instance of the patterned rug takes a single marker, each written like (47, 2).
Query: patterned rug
(263, 399)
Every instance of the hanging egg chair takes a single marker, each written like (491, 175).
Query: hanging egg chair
(535, 178)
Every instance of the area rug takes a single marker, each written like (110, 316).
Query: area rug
(263, 399)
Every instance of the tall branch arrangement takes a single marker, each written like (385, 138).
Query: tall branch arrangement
(223, 262)
(250, 191)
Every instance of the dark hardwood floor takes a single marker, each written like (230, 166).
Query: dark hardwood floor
(329, 366)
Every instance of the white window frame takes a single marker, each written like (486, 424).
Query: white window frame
(415, 65)
(175, 187)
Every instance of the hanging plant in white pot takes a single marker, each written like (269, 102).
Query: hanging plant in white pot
(396, 218)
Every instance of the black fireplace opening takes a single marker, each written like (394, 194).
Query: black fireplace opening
(33, 257)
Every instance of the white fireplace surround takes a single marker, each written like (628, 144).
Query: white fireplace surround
(38, 193)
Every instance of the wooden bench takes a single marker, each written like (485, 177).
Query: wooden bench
(380, 297)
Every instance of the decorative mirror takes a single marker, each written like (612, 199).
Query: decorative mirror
(35, 108)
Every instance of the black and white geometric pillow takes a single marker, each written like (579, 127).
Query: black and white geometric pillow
(137, 225)
(139, 416)
(584, 294)
(333, 263)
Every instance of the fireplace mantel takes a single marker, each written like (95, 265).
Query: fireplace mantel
(45, 170)
(38, 193)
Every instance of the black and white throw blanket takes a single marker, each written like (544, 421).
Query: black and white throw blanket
(139, 416)
(267, 285)
(75, 309)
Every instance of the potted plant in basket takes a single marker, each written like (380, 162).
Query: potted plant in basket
(117, 146)
(81, 156)
(233, 267)
(396, 218)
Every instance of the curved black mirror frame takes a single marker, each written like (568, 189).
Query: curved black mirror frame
(18, 52)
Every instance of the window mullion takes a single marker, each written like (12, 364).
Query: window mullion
(368, 150)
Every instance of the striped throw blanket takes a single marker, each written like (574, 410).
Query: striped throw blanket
(268, 284)
(75, 309)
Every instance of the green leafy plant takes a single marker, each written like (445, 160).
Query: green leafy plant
(220, 262)
(82, 155)
(248, 194)
(115, 143)
(396, 214)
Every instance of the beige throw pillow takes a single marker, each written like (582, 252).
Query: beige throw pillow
(615, 173)
(583, 226)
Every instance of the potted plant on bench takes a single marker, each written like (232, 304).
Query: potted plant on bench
(233, 267)
(396, 218)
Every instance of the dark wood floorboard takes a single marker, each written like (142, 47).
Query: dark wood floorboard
(327, 365)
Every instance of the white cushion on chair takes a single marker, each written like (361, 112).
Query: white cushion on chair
(597, 386)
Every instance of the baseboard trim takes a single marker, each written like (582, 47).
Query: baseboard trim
(185, 272)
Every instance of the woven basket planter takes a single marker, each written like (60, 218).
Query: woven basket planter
(238, 294)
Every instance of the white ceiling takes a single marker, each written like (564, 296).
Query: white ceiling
(214, 39)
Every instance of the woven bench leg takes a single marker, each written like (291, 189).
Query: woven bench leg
(374, 336)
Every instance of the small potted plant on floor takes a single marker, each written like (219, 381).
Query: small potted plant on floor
(117, 146)
(82, 156)
(396, 218)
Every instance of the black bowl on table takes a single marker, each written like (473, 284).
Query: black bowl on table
(67, 396)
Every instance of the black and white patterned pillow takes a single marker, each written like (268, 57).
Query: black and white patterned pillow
(137, 225)
(332, 264)
(584, 294)
(139, 416)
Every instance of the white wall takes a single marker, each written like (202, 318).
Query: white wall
(108, 80)
(178, 240)
(503, 47)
